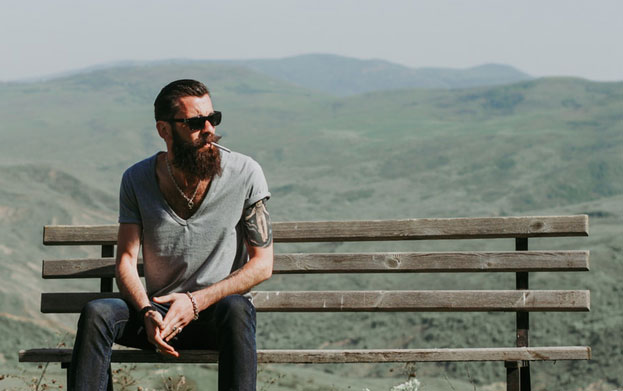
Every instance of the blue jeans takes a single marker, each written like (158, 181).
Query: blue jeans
(227, 326)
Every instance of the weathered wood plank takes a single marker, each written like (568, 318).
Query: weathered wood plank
(82, 268)
(417, 229)
(373, 301)
(80, 234)
(428, 262)
(379, 230)
(335, 356)
(438, 300)
(395, 262)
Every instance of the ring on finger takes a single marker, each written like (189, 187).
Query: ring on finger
(174, 328)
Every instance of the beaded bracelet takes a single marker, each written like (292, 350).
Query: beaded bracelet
(195, 307)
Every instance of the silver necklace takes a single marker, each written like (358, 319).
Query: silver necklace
(189, 200)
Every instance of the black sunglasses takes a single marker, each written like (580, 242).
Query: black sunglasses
(198, 123)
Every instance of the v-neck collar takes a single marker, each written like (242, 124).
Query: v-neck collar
(204, 202)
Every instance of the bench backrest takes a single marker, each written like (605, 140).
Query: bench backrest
(521, 262)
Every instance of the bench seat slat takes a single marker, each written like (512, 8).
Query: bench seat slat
(335, 356)
(373, 301)
(366, 230)
(396, 262)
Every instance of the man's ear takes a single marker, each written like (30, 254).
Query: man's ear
(164, 130)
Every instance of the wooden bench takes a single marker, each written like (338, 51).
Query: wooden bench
(520, 300)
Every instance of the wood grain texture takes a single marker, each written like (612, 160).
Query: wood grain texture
(80, 234)
(82, 268)
(430, 300)
(379, 230)
(419, 229)
(335, 356)
(375, 301)
(432, 262)
(395, 262)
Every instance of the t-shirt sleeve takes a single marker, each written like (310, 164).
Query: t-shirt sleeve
(128, 205)
(257, 188)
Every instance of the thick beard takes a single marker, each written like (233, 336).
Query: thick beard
(191, 161)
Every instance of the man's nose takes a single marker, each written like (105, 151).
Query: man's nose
(207, 127)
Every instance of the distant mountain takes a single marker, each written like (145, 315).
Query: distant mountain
(344, 76)
(340, 76)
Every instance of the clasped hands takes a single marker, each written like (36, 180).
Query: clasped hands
(160, 331)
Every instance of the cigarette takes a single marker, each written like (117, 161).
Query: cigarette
(221, 147)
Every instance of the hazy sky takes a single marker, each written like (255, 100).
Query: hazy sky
(545, 37)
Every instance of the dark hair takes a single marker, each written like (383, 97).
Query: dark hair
(166, 103)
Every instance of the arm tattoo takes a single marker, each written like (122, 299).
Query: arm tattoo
(257, 225)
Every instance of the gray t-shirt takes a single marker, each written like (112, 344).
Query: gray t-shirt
(185, 255)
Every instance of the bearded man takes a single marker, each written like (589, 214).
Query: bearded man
(198, 210)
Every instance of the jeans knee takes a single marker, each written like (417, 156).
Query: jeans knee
(101, 314)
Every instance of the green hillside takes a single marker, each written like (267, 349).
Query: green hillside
(546, 146)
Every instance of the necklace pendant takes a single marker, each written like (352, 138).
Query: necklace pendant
(189, 200)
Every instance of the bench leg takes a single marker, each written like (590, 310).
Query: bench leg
(525, 377)
(513, 375)
(517, 375)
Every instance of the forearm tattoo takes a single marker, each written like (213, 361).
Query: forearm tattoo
(257, 225)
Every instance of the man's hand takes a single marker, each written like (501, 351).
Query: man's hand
(180, 314)
(153, 328)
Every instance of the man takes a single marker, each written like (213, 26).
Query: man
(199, 213)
